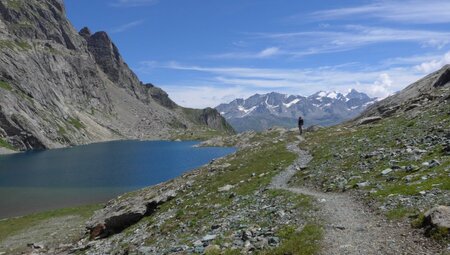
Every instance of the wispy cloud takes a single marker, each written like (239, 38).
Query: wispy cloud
(127, 26)
(132, 3)
(266, 53)
(407, 11)
(355, 36)
(343, 38)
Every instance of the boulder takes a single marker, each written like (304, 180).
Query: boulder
(314, 128)
(225, 188)
(368, 120)
(125, 211)
(438, 217)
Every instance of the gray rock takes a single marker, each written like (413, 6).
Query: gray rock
(386, 171)
(438, 217)
(369, 120)
(225, 188)
(363, 184)
(121, 213)
(209, 238)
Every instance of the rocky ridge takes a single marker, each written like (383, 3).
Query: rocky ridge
(60, 87)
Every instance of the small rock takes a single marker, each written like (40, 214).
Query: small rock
(369, 120)
(362, 184)
(386, 171)
(198, 243)
(208, 238)
(225, 188)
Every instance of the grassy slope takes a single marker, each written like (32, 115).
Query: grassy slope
(13, 226)
(250, 171)
(346, 156)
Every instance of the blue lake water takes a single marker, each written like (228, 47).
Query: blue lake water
(42, 180)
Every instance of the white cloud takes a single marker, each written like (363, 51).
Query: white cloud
(435, 64)
(382, 87)
(269, 52)
(133, 3)
(224, 84)
(204, 96)
(407, 11)
(127, 26)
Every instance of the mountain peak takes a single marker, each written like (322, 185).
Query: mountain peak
(263, 111)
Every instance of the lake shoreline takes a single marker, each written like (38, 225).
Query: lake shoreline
(94, 173)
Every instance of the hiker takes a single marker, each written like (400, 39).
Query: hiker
(300, 124)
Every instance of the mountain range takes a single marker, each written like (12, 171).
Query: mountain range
(61, 87)
(260, 112)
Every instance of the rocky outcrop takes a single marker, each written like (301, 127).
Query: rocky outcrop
(433, 88)
(369, 120)
(60, 87)
(120, 214)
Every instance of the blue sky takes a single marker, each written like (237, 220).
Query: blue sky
(206, 52)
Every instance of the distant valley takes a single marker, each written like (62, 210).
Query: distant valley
(260, 112)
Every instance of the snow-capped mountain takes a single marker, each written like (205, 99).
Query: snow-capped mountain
(260, 112)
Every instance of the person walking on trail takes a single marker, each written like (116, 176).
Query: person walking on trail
(300, 124)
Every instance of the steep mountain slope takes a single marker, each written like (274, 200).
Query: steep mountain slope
(260, 112)
(431, 90)
(60, 87)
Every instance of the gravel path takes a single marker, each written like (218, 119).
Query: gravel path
(350, 228)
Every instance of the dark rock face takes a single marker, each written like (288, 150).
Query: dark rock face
(61, 87)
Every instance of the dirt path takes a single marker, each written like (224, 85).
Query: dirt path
(350, 228)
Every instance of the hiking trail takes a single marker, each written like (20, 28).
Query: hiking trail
(350, 228)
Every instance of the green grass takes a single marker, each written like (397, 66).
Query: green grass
(5, 144)
(76, 123)
(5, 85)
(400, 213)
(304, 242)
(12, 226)
(61, 130)
(14, 4)
(19, 45)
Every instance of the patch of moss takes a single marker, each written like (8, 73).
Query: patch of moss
(23, 45)
(400, 213)
(5, 144)
(5, 85)
(14, 4)
(20, 45)
(305, 242)
(61, 130)
(76, 123)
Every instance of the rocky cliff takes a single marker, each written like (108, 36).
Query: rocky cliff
(61, 87)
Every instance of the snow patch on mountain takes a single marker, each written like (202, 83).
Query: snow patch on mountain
(288, 105)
